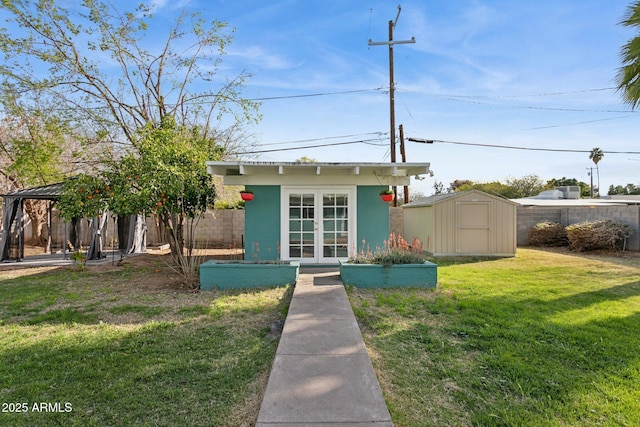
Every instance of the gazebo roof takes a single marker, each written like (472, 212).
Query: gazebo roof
(46, 192)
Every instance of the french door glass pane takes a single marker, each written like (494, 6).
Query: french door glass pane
(334, 225)
(302, 225)
(295, 225)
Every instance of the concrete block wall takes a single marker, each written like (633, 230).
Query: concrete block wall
(218, 228)
(527, 217)
(396, 220)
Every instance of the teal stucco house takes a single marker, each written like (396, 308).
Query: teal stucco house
(314, 213)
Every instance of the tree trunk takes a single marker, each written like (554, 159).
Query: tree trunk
(173, 228)
(38, 214)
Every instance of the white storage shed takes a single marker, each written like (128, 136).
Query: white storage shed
(463, 223)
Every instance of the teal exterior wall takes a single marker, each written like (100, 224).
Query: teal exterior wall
(262, 223)
(373, 217)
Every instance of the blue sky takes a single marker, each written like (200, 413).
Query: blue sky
(502, 72)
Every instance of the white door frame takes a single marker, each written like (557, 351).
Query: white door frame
(318, 192)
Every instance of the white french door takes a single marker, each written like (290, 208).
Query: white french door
(318, 225)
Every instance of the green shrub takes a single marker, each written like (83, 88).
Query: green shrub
(396, 251)
(548, 234)
(602, 234)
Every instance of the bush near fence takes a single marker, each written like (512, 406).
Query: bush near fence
(603, 234)
(548, 233)
(583, 236)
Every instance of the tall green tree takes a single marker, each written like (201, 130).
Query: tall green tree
(167, 177)
(513, 188)
(34, 150)
(596, 155)
(113, 78)
(628, 77)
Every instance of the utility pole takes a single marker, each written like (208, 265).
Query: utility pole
(591, 175)
(403, 153)
(392, 108)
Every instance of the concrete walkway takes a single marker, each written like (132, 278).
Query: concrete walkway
(322, 375)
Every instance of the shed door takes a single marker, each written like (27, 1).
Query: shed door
(473, 227)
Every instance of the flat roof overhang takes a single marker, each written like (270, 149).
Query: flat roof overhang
(278, 173)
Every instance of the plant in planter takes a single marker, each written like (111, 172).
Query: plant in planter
(398, 264)
(386, 195)
(246, 195)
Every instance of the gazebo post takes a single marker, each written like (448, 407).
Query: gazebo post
(50, 226)
(64, 240)
(21, 231)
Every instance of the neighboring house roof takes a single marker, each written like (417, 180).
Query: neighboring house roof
(438, 198)
(530, 201)
(265, 173)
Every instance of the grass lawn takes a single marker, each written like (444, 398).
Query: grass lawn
(126, 346)
(542, 339)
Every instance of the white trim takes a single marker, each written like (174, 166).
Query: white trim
(318, 174)
(318, 192)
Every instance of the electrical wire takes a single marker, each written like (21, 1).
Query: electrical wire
(513, 147)
(380, 134)
(310, 95)
(578, 123)
(364, 141)
(530, 107)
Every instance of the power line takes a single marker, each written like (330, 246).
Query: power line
(578, 123)
(363, 141)
(569, 92)
(474, 99)
(530, 107)
(513, 147)
(380, 134)
(309, 95)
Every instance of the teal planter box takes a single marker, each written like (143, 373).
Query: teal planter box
(390, 276)
(247, 274)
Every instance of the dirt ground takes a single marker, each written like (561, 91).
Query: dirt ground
(161, 275)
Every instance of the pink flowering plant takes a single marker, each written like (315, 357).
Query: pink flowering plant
(396, 250)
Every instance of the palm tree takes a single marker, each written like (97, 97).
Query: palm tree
(596, 155)
(628, 78)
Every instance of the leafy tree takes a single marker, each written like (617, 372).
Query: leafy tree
(513, 188)
(585, 189)
(34, 150)
(168, 177)
(527, 186)
(139, 86)
(455, 185)
(628, 77)
(496, 188)
(629, 189)
(305, 159)
(110, 79)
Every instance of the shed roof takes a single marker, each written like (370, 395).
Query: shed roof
(439, 198)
